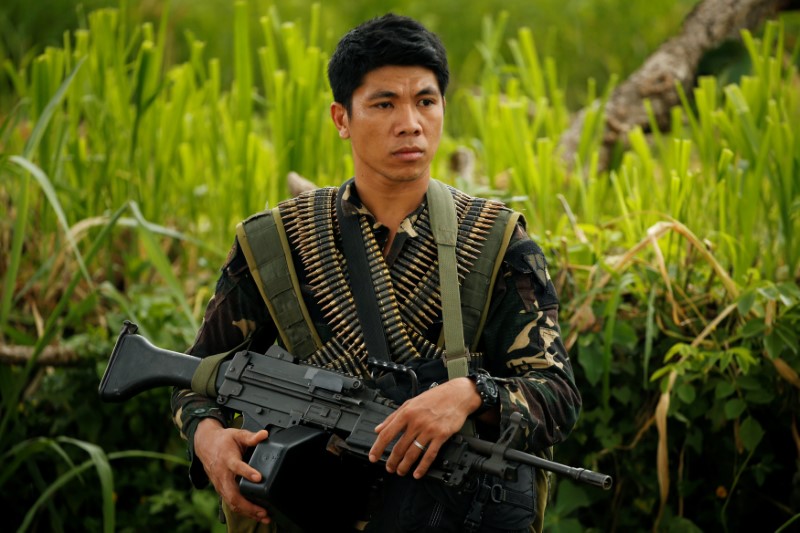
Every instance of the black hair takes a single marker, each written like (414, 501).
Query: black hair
(387, 40)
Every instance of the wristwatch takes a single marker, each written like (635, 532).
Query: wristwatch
(487, 389)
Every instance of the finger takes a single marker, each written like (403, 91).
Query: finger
(241, 505)
(385, 437)
(239, 466)
(386, 422)
(412, 455)
(248, 438)
(242, 469)
(378, 447)
(237, 502)
(399, 451)
(427, 459)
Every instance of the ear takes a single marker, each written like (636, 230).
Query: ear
(340, 119)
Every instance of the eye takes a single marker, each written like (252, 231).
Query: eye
(383, 105)
(427, 102)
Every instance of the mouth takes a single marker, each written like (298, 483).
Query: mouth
(409, 153)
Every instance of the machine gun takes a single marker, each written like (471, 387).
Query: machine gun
(306, 410)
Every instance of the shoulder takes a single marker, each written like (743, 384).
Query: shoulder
(289, 203)
(524, 257)
(263, 222)
(236, 263)
(523, 253)
(485, 212)
(462, 198)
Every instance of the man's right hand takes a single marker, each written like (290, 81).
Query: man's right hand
(221, 450)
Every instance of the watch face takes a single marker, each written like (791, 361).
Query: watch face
(491, 387)
(487, 388)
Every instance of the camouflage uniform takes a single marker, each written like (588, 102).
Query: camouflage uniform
(521, 345)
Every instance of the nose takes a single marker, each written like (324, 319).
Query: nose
(408, 122)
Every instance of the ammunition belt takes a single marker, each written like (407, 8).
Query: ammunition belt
(408, 293)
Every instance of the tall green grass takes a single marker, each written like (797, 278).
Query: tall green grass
(728, 169)
(170, 137)
(678, 264)
(124, 175)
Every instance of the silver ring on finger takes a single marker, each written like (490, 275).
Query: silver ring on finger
(419, 445)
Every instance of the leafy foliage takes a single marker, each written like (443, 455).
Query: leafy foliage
(677, 267)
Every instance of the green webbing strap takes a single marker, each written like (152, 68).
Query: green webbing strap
(501, 233)
(204, 380)
(477, 286)
(262, 239)
(445, 232)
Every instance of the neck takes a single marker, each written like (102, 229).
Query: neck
(390, 203)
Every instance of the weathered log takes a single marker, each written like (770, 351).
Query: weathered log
(50, 356)
(706, 27)
(298, 184)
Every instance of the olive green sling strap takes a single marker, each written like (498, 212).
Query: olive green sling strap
(464, 312)
(444, 225)
(271, 265)
(445, 232)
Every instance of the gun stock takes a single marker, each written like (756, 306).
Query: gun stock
(136, 365)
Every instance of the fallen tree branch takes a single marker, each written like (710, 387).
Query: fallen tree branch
(50, 356)
(709, 24)
(298, 184)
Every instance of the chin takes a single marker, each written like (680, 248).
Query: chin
(406, 178)
(408, 174)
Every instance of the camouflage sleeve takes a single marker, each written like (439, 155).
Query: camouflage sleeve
(523, 349)
(236, 316)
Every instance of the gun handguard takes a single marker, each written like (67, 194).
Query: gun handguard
(300, 404)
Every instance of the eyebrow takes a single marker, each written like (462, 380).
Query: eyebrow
(425, 91)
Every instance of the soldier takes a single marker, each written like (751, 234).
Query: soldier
(389, 77)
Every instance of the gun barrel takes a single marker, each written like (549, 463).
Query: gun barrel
(579, 474)
(583, 475)
(594, 478)
(136, 365)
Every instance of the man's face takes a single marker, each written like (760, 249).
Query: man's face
(395, 124)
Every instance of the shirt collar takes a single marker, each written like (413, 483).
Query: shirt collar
(351, 203)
